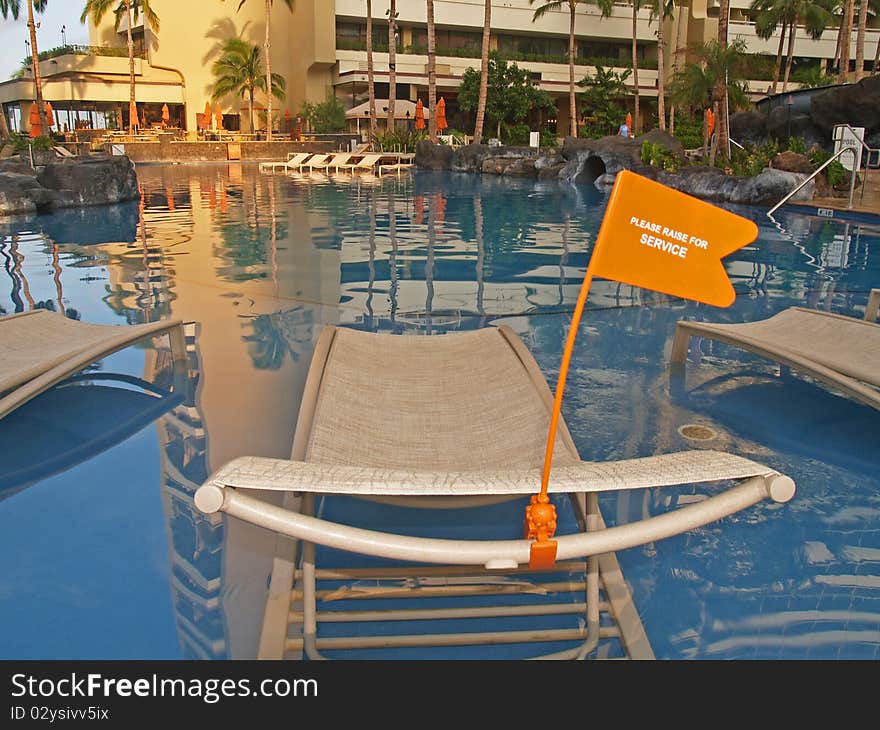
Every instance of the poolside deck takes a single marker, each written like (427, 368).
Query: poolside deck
(865, 202)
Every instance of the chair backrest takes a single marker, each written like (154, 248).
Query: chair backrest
(369, 160)
(341, 158)
(466, 400)
(297, 158)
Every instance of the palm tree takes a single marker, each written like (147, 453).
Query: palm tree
(716, 77)
(267, 46)
(13, 7)
(572, 6)
(239, 72)
(661, 9)
(371, 85)
(130, 10)
(844, 38)
(816, 18)
(769, 18)
(432, 73)
(484, 73)
(676, 61)
(860, 39)
(635, 62)
(392, 63)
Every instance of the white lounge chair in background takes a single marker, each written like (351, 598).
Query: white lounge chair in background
(367, 163)
(842, 352)
(454, 421)
(294, 161)
(330, 162)
(40, 348)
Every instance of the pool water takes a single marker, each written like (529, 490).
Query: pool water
(104, 555)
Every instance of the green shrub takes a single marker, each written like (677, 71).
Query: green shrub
(835, 173)
(20, 142)
(797, 144)
(657, 155)
(753, 159)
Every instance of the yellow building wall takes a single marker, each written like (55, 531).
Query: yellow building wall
(191, 33)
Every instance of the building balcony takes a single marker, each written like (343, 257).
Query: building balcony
(413, 69)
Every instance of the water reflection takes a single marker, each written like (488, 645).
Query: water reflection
(261, 263)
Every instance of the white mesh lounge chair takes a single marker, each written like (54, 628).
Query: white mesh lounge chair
(453, 421)
(330, 162)
(294, 161)
(367, 163)
(40, 348)
(842, 352)
(396, 167)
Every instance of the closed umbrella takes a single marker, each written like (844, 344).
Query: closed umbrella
(441, 115)
(218, 116)
(165, 115)
(420, 115)
(132, 114)
(208, 115)
(34, 120)
(50, 114)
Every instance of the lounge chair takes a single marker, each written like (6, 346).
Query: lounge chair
(451, 421)
(397, 167)
(294, 161)
(330, 162)
(41, 348)
(366, 164)
(842, 352)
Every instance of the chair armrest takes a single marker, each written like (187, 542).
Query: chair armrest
(686, 467)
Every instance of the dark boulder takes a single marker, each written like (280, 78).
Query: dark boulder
(782, 125)
(792, 162)
(749, 127)
(91, 180)
(659, 136)
(23, 194)
(433, 156)
(855, 104)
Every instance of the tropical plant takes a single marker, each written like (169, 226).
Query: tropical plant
(811, 77)
(658, 155)
(13, 8)
(484, 73)
(328, 116)
(267, 48)
(814, 15)
(717, 77)
(605, 6)
(601, 102)
(239, 72)
(130, 10)
(510, 92)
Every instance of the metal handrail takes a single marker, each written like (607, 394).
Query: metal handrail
(850, 149)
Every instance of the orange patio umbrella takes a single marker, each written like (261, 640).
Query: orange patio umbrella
(441, 115)
(50, 114)
(165, 114)
(132, 114)
(209, 116)
(710, 122)
(629, 121)
(420, 115)
(34, 120)
(218, 116)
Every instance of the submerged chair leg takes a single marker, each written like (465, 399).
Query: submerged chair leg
(310, 608)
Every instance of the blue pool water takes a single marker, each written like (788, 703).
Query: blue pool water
(104, 556)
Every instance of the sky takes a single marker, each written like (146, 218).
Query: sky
(13, 33)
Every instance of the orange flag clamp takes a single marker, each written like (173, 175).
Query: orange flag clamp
(651, 237)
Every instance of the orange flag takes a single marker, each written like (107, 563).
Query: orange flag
(657, 238)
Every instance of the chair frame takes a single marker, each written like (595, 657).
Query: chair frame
(786, 357)
(293, 592)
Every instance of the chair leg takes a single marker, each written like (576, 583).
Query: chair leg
(310, 609)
